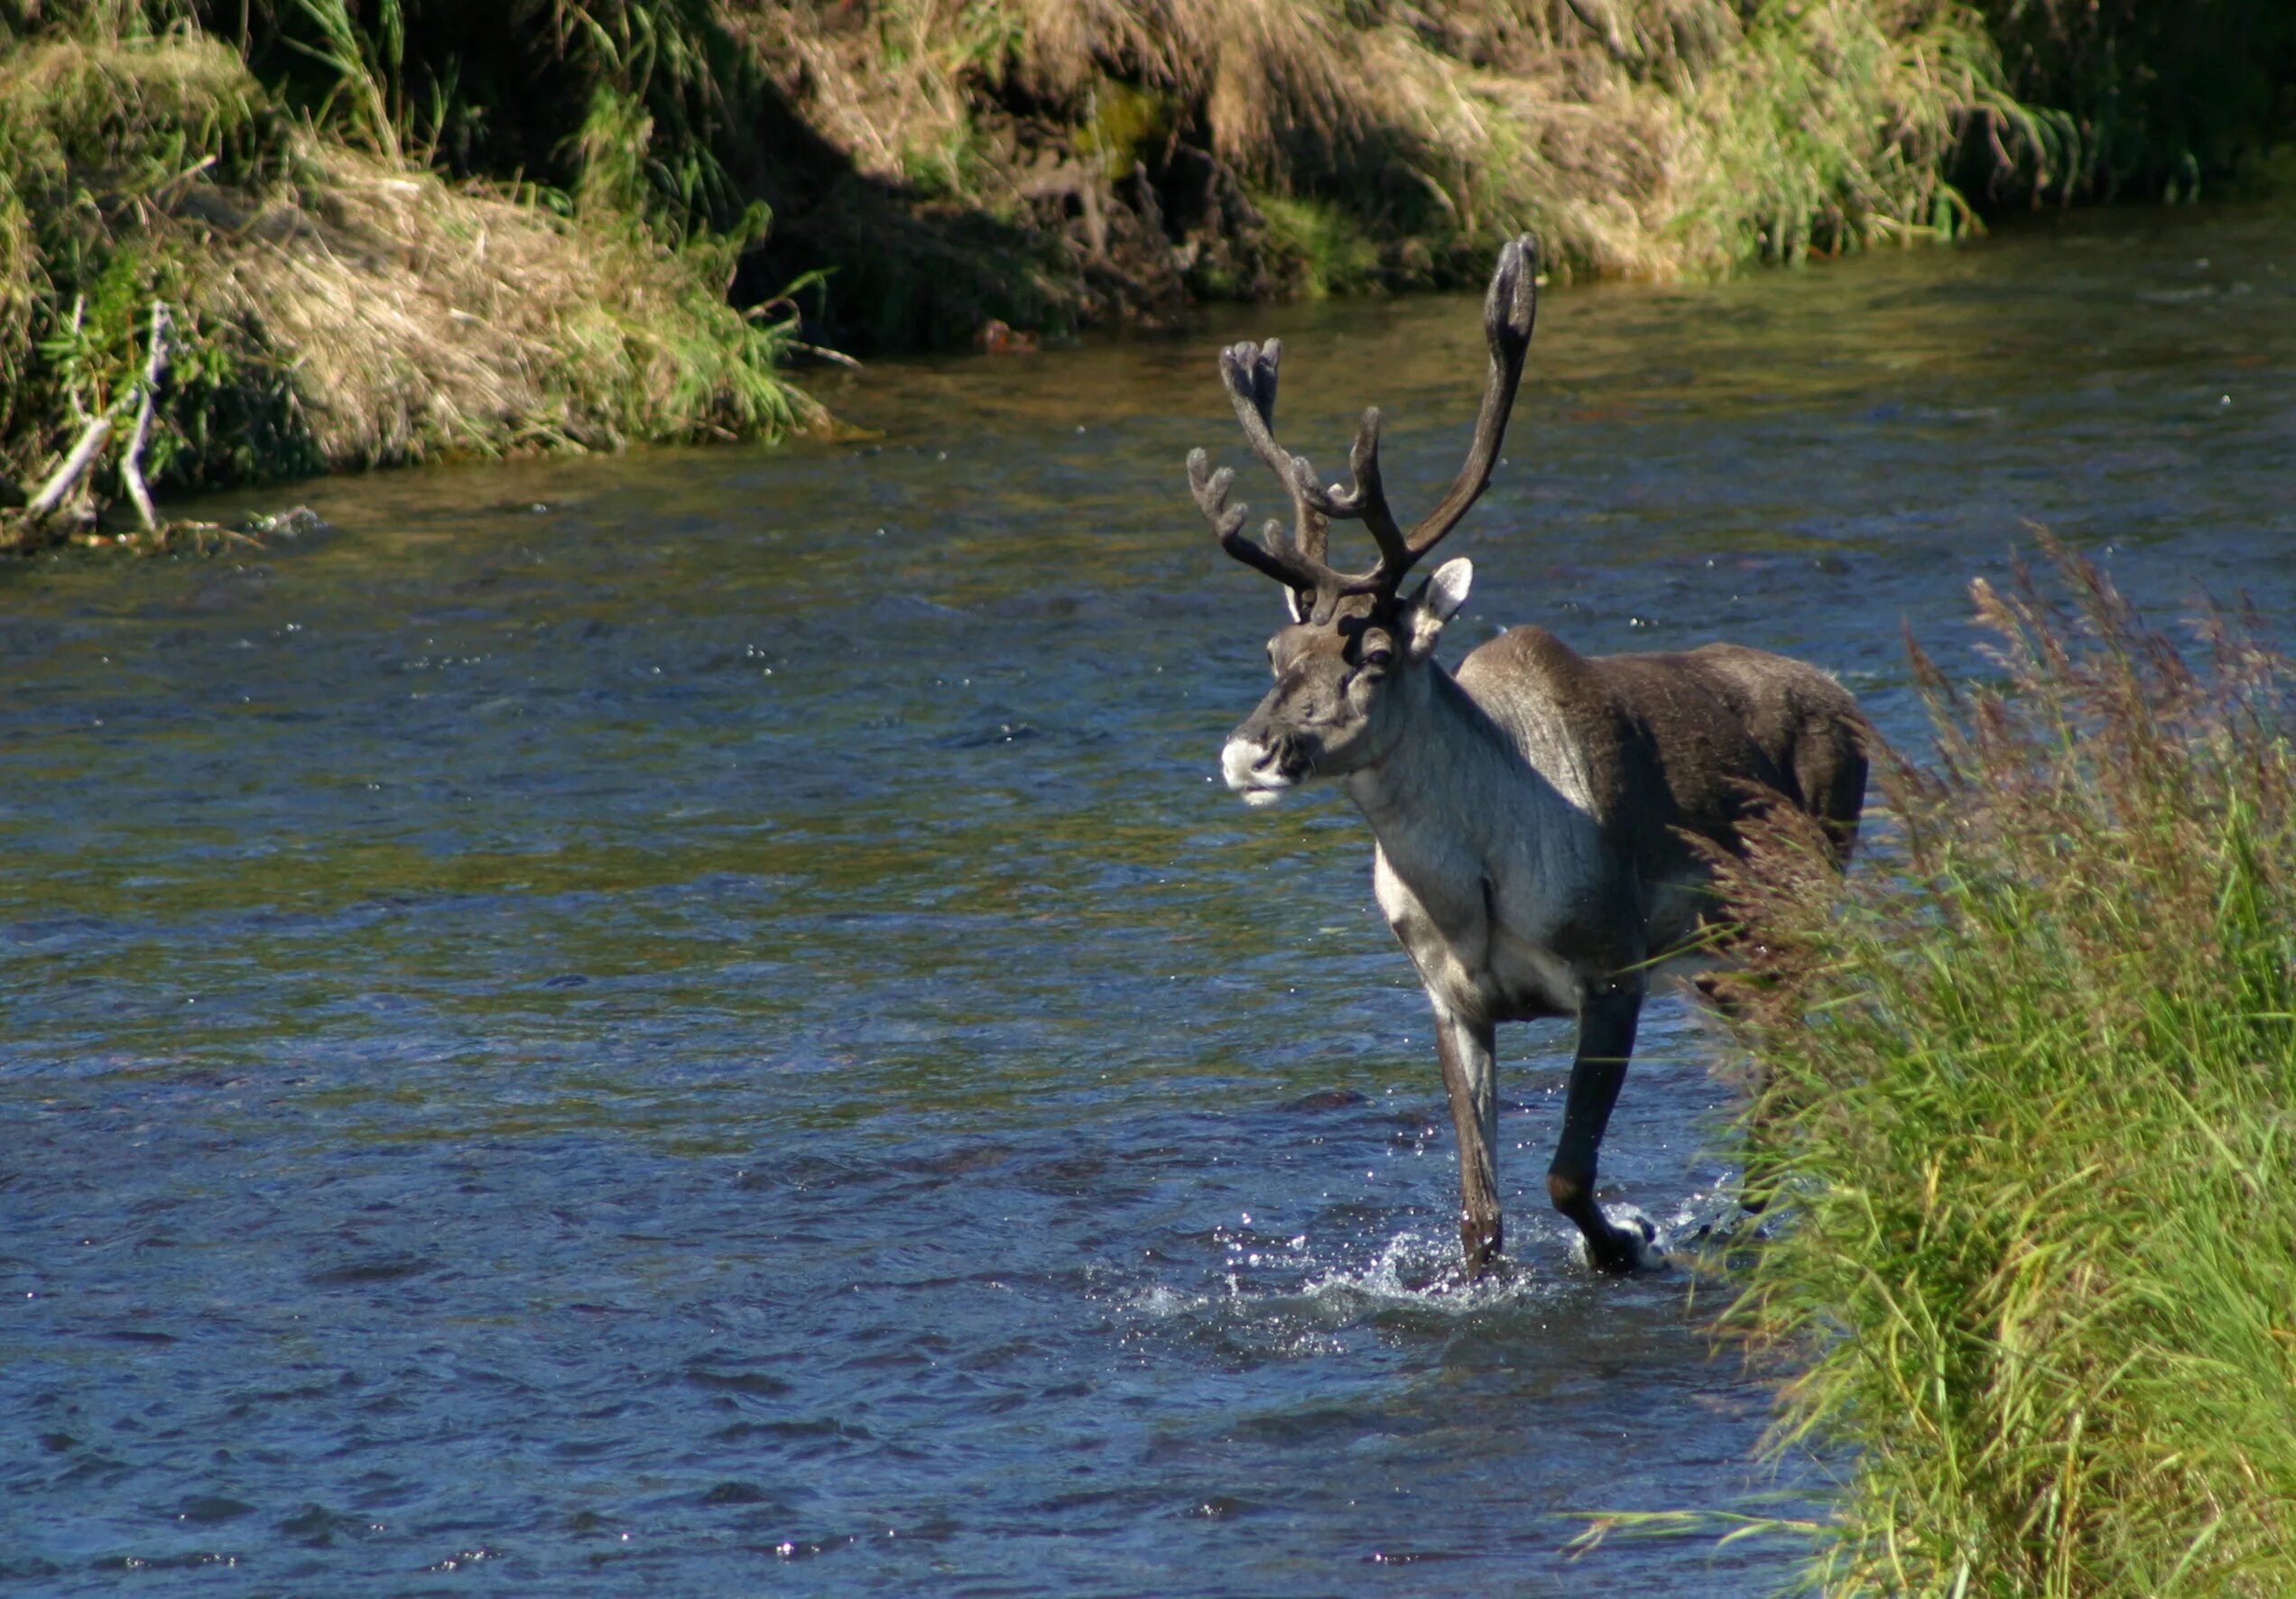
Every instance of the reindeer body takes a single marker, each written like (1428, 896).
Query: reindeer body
(1569, 818)
(1539, 816)
(1534, 823)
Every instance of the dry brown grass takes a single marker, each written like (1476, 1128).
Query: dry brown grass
(425, 317)
(1643, 138)
(333, 307)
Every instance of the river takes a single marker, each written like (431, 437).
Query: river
(698, 1023)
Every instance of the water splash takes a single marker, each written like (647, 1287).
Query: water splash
(1416, 1273)
(1408, 1280)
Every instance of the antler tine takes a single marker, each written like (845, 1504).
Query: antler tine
(1249, 371)
(1263, 362)
(1509, 310)
(1210, 489)
(1366, 503)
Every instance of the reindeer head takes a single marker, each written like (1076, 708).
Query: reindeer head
(1350, 668)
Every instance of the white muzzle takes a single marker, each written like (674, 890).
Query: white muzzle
(1252, 772)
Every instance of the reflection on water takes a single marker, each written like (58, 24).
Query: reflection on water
(698, 1020)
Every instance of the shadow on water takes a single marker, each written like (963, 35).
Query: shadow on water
(698, 1019)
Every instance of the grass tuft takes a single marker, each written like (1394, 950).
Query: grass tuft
(2031, 1088)
(334, 304)
(1319, 248)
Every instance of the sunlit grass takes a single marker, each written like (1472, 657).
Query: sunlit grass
(1649, 138)
(2029, 1100)
(334, 303)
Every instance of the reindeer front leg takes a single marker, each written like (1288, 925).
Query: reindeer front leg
(1470, 1078)
(1607, 1018)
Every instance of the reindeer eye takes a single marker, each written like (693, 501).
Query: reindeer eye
(1378, 656)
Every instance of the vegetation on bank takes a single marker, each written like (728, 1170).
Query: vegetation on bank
(1135, 154)
(2031, 1086)
(383, 230)
(2150, 100)
(320, 297)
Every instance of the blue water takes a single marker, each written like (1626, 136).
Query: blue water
(696, 1023)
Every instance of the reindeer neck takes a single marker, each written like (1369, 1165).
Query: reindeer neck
(1473, 813)
(1451, 780)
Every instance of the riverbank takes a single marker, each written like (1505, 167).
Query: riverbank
(205, 288)
(2027, 1088)
(375, 234)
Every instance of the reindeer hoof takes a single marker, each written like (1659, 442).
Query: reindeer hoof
(1635, 1243)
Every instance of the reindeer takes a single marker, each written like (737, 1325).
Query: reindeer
(1544, 820)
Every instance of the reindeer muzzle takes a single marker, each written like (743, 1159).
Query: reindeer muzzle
(1264, 772)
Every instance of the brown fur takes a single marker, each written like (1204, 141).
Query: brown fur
(1690, 740)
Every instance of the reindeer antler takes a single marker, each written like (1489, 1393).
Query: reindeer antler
(1248, 371)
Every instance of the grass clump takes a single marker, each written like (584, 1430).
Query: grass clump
(1834, 129)
(2031, 1086)
(330, 302)
(1321, 248)
(382, 229)
(2150, 100)
(102, 141)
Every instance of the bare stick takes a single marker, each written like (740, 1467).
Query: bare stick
(155, 363)
(66, 476)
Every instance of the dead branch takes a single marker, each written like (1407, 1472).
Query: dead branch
(67, 475)
(155, 364)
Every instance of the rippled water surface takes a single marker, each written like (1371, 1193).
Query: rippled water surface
(695, 1024)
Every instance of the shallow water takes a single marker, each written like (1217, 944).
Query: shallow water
(697, 1023)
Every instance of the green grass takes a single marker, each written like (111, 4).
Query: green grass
(1642, 138)
(2151, 101)
(337, 303)
(1830, 129)
(388, 229)
(2029, 1095)
(1321, 249)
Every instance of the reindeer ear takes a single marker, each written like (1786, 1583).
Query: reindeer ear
(1437, 602)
